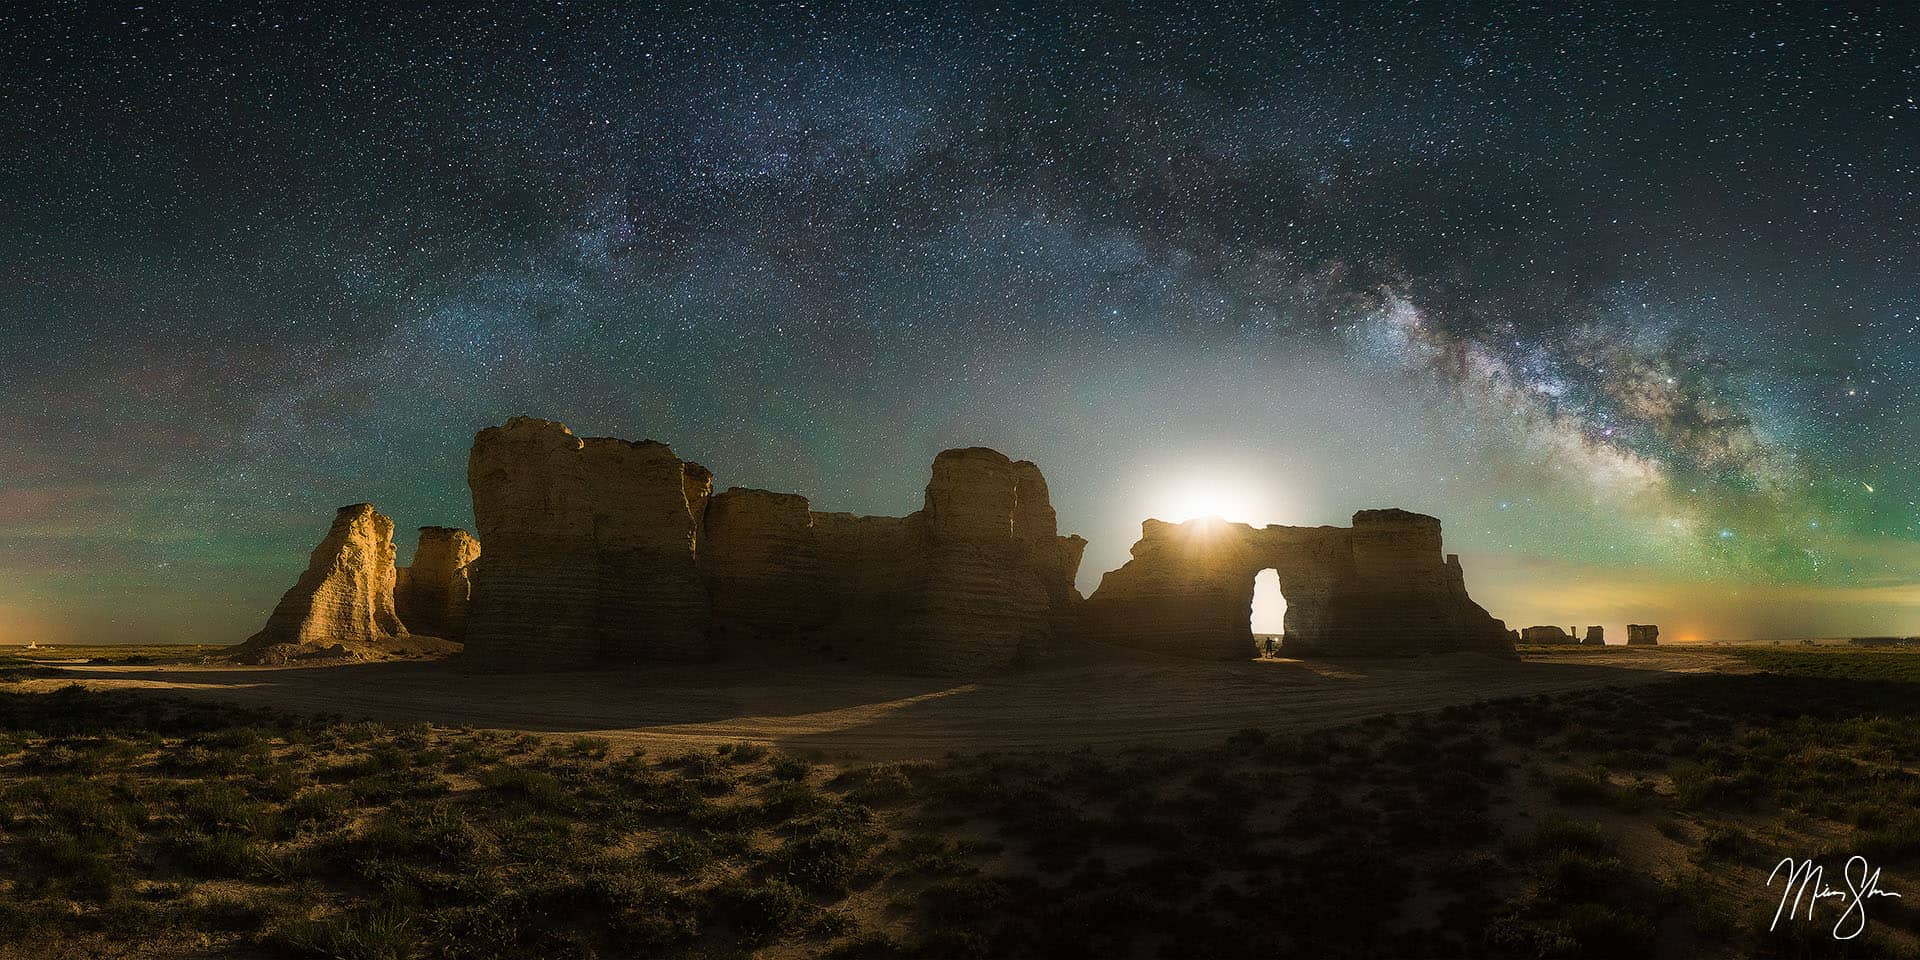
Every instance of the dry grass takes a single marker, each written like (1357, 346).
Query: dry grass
(1611, 822)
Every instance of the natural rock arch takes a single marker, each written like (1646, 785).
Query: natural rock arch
(1266, 596)
(1380, 587)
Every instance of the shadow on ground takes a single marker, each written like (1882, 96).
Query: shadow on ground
(1117, 702)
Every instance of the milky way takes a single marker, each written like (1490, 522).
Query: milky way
(1627, 297)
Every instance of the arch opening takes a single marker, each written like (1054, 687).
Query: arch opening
(1268, 618)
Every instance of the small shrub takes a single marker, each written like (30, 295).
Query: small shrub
(1584, 789)
(761, 912)
(357, 935)
(517, 783)
(783, 800)
(790, 768)
(230, 913)
(679, 854)
(219, 854)
(85, 867)
(876, 785)
(1560, 834)
(320, 808)
(743, 752)
(439, 834)
(871, 945)
(589, 748)
(823, 862)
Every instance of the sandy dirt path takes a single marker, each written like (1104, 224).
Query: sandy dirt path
(842, 713)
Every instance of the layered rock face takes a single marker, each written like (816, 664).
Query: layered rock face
(1378, 588)
(1056, 559)
(604, 551)
(1642, 634)
(870, 578)
(765, 579)
(650, 601)
(976, 581)
(982, 600)
(431, 596)
(343, 605)
(1546, 635)
(1596, 637)
(589, 550)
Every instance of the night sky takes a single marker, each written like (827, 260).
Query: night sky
(1628, 296)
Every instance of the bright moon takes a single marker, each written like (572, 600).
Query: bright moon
(1236, 500)
(1214, 499)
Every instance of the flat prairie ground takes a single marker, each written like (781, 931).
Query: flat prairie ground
(1580, 803)
(1120, 700)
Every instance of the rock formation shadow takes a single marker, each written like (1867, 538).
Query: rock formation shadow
(1133, 699)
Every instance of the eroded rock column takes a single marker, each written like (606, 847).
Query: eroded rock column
(650, 603)
(432, 594)
(978, 607)
(535, 599)
(344, 598)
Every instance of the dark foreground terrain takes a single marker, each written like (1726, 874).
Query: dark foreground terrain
(1617, 821)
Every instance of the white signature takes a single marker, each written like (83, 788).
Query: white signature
(1806, 880)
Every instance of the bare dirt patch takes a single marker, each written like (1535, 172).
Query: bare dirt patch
(1122, 701)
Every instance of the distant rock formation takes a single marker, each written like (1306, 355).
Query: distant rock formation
(1596, 637)
(605, 551)
(1639, 634)
(1546, 635)
(431, 595)
(1880, 641)
(343, 605)
(1378, 588)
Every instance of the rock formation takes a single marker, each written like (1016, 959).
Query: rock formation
(343, 605)
(1546, 635)
(1642, 634)
(1596, 637)
(431, 595)
(1377, 588)
(982, 600)
(589, 547)
(605, 551)
(1054, 557)
(975, 581)
(766, 582)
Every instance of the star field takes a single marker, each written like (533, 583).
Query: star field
(1627, 297)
